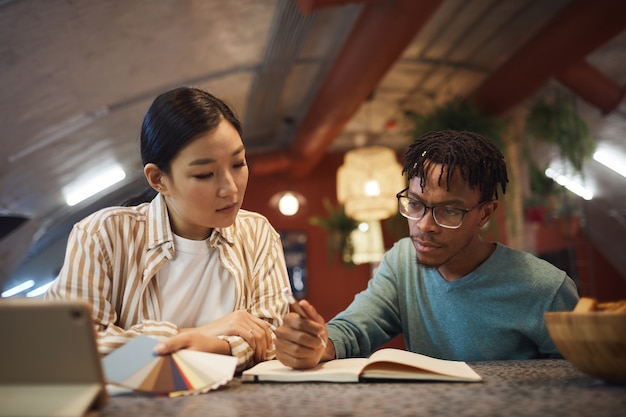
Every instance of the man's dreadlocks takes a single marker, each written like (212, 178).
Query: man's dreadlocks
(480, 163)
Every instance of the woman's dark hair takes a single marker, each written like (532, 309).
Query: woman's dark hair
(480, 162)
(174, 119)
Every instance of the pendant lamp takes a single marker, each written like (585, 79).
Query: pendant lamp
(368, 181)
(367, 243)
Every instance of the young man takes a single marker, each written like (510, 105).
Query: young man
(449, 292)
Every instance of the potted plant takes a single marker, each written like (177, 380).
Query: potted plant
(553, 122)
(556, 123)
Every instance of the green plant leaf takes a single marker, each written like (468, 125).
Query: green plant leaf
(339, 225)
(337, 219)
(458, 114)
(557, 123)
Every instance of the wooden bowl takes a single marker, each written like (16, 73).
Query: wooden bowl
(594, 342)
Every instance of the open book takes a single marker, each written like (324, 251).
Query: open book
(384, 364)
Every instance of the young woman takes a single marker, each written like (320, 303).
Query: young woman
(190, 267)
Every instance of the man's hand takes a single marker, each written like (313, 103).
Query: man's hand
(300, 341)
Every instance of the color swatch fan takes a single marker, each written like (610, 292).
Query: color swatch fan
(136, 366)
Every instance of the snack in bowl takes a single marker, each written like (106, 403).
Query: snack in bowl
(586, 304)
(592, 337)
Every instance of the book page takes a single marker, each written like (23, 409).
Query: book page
(338, 370)
(396, 363)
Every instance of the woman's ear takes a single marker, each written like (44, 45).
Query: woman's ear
(487, 211)
(154, 176)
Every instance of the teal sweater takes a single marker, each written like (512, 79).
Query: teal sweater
(493, 313)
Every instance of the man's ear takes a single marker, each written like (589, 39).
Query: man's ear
(487, 211)
(154, 176)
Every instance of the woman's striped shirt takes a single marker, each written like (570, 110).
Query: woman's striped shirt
(113, 255)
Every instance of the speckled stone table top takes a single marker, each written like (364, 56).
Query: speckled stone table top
(510, 388)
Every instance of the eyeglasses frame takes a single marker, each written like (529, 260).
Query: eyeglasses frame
(432, 208)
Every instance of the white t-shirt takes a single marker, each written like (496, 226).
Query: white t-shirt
(195, 288)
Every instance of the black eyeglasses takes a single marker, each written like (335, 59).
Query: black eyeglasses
(445, 216)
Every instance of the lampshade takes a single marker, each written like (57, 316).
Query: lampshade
(368, 181)
(367, 243)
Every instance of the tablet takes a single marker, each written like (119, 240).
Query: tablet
(49, 359)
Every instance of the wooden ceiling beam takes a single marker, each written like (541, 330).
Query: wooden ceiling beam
(593, 86)
(580, 28)
(379, 36)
